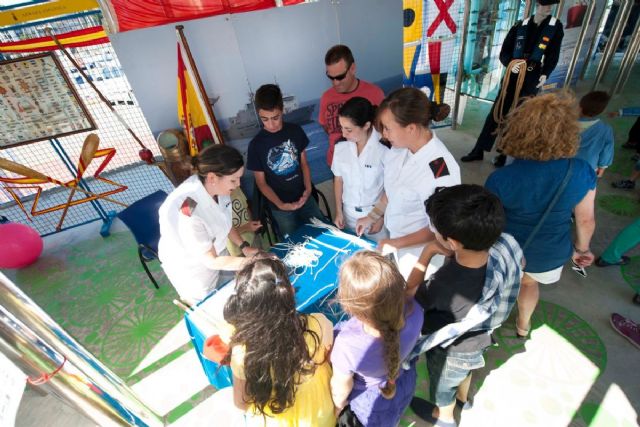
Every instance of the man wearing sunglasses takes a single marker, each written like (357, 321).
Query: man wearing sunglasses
(341, 70)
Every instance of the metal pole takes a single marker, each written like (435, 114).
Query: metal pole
(109, 15)
(587, 59)
(463, 46)
(628, 61)
(614, 40)
(559, 9)
(528, 6)
(55, 361)
(579, 42)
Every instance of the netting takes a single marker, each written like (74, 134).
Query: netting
(431, 37)
(489, 23)
(58, 158)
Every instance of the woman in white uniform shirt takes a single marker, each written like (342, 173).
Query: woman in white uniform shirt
(417, 164)
(195, 222)
(357, 166)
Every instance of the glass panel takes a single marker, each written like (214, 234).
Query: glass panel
(489, 23)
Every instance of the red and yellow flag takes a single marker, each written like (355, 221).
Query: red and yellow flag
(79, 38)
(192, 110)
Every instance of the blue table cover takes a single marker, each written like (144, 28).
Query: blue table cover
(315, 287)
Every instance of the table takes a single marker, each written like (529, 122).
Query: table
(315, 290)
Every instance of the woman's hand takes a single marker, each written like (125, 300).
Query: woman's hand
(363, 224)
(249, 251)
(339, 220)
(386, 246)
(249, 227)
(377, 226)
(583, 258)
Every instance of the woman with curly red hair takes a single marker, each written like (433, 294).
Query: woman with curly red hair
(541, 190)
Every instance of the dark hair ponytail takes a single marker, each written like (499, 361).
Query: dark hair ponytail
(439, 112)
(410, 105)
(359, 110)
(221, 160)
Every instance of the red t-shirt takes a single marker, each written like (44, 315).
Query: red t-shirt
(330, 104)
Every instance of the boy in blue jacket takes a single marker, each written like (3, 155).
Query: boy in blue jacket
(596, 137)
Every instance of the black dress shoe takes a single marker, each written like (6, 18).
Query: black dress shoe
(624, 260)
(499, 160)
(472, 157)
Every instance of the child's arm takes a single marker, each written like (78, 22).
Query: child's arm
(341, 386)
(416, 277)
(625, 112)
(306, 175)
(420, 237)
(605, 157)
(238, 393)
(629, 112)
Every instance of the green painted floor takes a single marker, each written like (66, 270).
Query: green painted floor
(574, 371)
(97, 290)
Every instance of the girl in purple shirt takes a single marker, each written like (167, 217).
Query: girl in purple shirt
(368, 386)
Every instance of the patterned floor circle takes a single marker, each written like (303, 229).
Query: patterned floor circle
(620, 205)
(631, 273)
(97, 290)
(563, 358)
(134, 333)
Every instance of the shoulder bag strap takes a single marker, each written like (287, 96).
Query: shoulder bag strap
(555, 199)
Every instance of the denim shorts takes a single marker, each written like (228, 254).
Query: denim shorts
(447, 370)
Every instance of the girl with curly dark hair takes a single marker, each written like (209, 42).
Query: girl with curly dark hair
(278, 356)
(368, 386)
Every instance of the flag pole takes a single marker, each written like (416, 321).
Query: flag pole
(203, 94)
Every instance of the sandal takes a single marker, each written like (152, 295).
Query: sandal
(523, 333)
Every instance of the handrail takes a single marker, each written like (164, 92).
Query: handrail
(614, 40)
(594, 41)
(628, 61)
(576, 52)
(56, 362)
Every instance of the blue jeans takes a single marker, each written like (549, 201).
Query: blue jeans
(290, 221)
(447, 370)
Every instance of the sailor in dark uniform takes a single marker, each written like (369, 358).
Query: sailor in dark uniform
(537, 40)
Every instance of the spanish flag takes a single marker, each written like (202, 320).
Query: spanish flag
(193, 113)
(79, 38)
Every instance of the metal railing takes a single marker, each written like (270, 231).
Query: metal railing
(44, 351)
(614, 40)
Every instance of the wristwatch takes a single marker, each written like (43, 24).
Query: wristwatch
(244, 244)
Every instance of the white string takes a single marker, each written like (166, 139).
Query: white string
(336, 232)
(315, 294)
(343, 249)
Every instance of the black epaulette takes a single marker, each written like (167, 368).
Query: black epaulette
(439, 167)
(188, 206)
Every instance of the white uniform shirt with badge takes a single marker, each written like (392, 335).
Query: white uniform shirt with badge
(191, 224)
(409, 180)
(362, 176)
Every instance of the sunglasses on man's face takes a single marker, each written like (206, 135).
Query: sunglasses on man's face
(339, 77)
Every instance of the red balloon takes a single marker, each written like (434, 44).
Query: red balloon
(20, 245)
